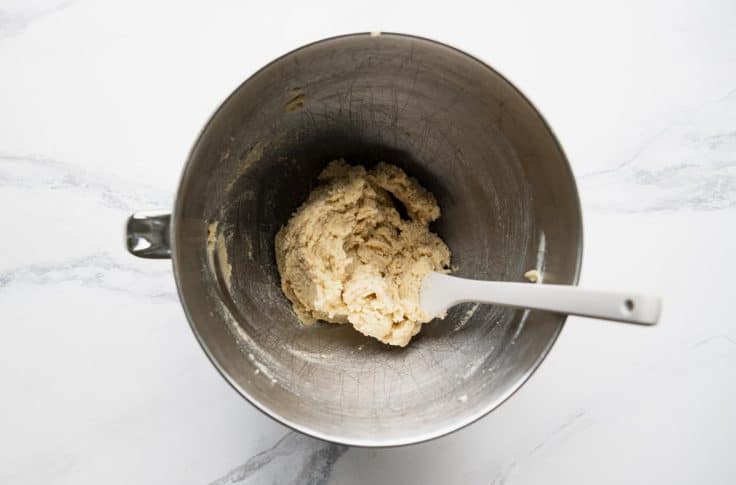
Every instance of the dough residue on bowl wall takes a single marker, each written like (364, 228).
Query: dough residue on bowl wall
(348, 256)
(533, 275)
(217, 252)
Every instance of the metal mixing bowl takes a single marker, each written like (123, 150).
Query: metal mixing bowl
(508, 200)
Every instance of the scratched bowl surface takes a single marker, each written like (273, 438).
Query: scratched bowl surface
(508, 200)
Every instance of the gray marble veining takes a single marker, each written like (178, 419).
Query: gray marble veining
(14, 20)
(97, 270)
(295, 458)
(43, 173)
(691, 164)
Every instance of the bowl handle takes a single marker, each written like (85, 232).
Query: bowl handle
(148, 235)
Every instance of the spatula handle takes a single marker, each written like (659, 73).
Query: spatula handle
(571, 300)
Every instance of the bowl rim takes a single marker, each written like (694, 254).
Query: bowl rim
(346, 439)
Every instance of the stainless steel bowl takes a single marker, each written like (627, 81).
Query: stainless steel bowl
(508, 199)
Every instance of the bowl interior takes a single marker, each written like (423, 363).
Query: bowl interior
(508, 200)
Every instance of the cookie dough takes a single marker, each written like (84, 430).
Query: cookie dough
(533, 275)
(348, 256)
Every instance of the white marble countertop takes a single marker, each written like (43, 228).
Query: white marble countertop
(102, 379)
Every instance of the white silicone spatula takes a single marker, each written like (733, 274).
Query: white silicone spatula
(440, 292)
